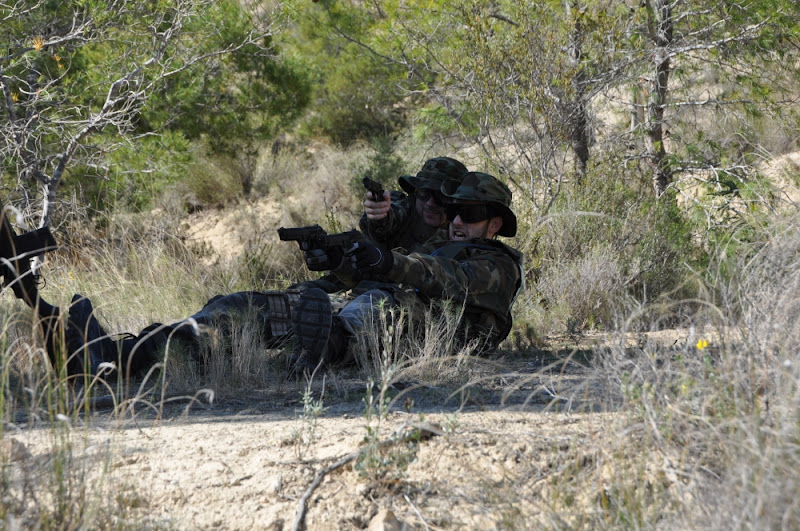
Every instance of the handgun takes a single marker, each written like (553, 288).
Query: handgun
(315, 237)
(373, 187)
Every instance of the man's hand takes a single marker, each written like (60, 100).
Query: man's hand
(323, 259)
(368, 258)
(377, 210)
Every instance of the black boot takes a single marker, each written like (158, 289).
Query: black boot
(88, 345)
(336, 351)
(312, 316)
(140, 352)
(322, 337)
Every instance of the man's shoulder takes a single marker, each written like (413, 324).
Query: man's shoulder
(478, 246)
(400, 201)
(507, 249)
(496, 251)
(396, 196)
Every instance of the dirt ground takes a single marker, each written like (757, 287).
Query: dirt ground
(444, 458)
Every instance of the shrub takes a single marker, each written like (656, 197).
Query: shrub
(609, 235)
(382, 165)
(718, 406)
(589, 288)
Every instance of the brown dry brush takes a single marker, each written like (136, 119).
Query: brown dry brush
(422, 344)
(716, 409)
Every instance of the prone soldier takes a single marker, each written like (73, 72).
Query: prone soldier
(307, 314)
(470, 268)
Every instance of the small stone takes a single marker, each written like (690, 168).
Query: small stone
(385, 520)
(13, 450)
(275, 485)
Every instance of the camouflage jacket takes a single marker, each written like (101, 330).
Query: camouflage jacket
(401, 228)
(482, 275)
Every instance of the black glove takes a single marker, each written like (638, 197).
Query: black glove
(368, 258)
(323, 259)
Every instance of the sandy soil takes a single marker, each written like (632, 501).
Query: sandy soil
(226, 233)
(475, 459)
(243, 471)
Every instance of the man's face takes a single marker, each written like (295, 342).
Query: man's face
(429, 204)
(470, 220)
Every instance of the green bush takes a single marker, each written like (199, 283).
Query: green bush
(357, 96)
(136, 173)
(608, 238)
(382, 165)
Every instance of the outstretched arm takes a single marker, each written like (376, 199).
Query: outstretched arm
(481, 279)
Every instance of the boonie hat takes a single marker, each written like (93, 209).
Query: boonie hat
(478, 186)
(433, 173)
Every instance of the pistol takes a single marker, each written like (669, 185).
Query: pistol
(315, 237)
(373, 187)
(311, 237)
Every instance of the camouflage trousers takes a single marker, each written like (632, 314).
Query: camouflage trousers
(270, 311)
(273, 310)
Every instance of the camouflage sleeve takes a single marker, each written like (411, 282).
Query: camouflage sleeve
(485, 281)
(346, 276)
(384, 230)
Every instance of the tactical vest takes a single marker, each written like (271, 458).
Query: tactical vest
(453, 249)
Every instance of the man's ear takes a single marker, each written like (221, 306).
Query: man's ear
(494, 225)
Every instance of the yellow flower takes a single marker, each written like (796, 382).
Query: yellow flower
(38, 42)
(701, 344)
(15, 96)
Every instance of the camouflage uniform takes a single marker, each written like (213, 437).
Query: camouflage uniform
(483, 275)
(403, 227)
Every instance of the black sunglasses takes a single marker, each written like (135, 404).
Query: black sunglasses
(468, 213)
(424, 195)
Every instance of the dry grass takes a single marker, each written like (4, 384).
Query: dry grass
(711, 429)
(421, 344)
(67, 486)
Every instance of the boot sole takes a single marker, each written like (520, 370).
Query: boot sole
(312, 317)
